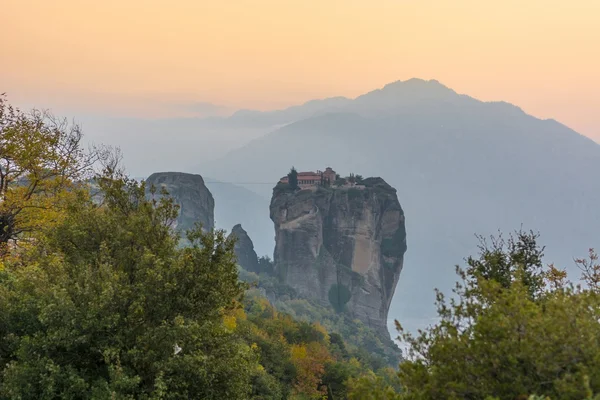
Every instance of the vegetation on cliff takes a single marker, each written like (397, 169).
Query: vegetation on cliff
(364, 343)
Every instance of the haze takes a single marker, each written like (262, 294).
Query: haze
(154, 58)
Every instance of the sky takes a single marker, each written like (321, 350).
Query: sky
(154, 58)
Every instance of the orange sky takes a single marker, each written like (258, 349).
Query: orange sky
(129, 55)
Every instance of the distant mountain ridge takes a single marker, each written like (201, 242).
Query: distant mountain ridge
(185, 143)
(179, 143)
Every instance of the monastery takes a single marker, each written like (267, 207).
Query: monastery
(306, 179)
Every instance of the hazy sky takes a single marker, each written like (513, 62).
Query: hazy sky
(135, 56)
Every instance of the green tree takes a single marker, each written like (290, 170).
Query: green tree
(512, 329)
(266, 265)
(293, 178)
(372, 386)
(107, 305)
(340, 182)
(41, 163)
(352, 178)
(499, 260)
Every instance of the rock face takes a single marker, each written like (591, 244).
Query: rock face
(343, 246)
(244, 249)
(196, 203)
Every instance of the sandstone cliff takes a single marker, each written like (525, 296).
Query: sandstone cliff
(341, 246)
(244, 249)
(196, 203)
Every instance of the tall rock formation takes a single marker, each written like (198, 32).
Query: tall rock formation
(343, 246)
(244, 249)
(196, 203)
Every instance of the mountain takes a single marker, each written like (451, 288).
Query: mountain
(150, 145)
(461, 167)
(342, 246)
(291, 114)
(155, 144)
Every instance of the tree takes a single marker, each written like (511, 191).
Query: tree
(371, 386)
(41, 163)
(337, 376)
(310, 363)
(325, 182)
(513, 329)
(339, 181)
(107, 305)
(293, 178)
(266, 265)
(500, 259)
(353, 178)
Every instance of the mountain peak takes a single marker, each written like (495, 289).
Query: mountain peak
(418, 86)
(400, 93)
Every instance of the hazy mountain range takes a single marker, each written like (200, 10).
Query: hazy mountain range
(166, 144)
(461, 166)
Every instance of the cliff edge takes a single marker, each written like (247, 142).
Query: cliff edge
(343, 246)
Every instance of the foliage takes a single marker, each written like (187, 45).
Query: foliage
(303, 360)
(325, 182)
(266, 265)
(293, 178)
(309, 361)
(41, 163)
(100, 306)
(354, 178)
(513, 328)
(351, 178)
(359, 340)
(339, 181)
(500, 259)
(373, 387)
